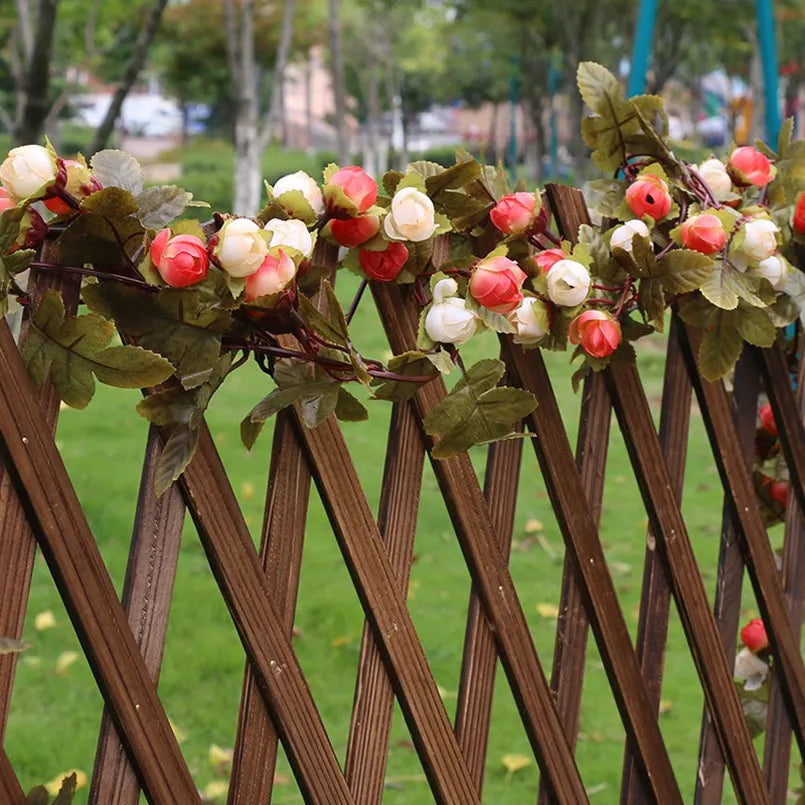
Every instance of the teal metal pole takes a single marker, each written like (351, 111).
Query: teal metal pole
(768, 59)
(641, 52)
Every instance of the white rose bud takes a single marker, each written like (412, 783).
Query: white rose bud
(448, 319)
(291, 233)
(531, 321)
(568, 283)
(774, 269)
(622, 236)
(714, 173)
(306, 185)
(242, 247)
(27, 171)
(759, 239)
(412, 216)
(750, 669)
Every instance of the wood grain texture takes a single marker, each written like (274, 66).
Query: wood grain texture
(147, 594)
(72, 555)
(729, 580)
(11, 792)
(367, 748)
(283, 534)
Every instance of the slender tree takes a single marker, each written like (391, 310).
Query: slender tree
(339, 89)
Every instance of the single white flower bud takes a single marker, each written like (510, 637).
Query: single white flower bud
(714, 173)
(531, 321)
(27, 171)
(305, 184)
(411, 217)
(568, 283)
(241, 248)
(623, 235)
(448, 320)
(292, 233)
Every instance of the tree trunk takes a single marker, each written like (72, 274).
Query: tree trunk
(33, 101)
(339, 90)
(370, 160)
(309, 103)
(275, 123)
(578, 147)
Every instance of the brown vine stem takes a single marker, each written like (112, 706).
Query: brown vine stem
(89, 272)
(356, 300)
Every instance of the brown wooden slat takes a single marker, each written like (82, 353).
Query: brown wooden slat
(383, 604)
(477, 682)
(11, 792)
(729, 581)
(655, 601)
(147, 593)
(283, 535)
(367, 749)
(634, 416)
(736, 480)
(234, 562)
(83, 581)
(572, 628)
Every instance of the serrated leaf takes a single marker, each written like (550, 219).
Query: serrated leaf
(348, 408)
(442, 360)
(457, 176)
(8, 645)
(720, 286)
(411, 364)
(684, 270)
(158, 206)
(651, 297)
(721, 345)
(755, 326)
(390, 181)
(598, 87)
(114, 168)
(330, 324)
(10, 264)
(175, 457)
(189, 226)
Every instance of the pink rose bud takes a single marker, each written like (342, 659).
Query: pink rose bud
(597, 332)
(181, 260)
(6, 203)
(546, 259)
(750, 166)
(754, 636)
(351, 232)
(496, 284)
(514, 214)
(767, 420)
(648, 195)
(359, 188)
(778, 492)
(386, 265)
(798, 219)
(274, 275)
(703, 233)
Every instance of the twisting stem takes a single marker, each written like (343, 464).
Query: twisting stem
(89, 272)
(356, 300)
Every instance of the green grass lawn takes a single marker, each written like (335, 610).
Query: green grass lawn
(56, 711)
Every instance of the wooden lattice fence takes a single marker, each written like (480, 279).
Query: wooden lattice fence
(123, 641)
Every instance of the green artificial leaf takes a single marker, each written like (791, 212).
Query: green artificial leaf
(11, 264)
(459, 175)
(8, 645)
(331, 324)
(409, 364)
(494, 321)
(721, 345)
(651, 298)
(348, 408)
(10, 227)
(755, 326)
(721, 287)
(605, 196)
(477, 411)
(684, 270)
(598, 87)
(171, 322)
(463, 210)
(755, 712)
(158, 206)
(67, 790)
(118, 169)
(176, 455)
(442, 360)
(75, 350)
(390, 181)
(785, 136)
(293, 204)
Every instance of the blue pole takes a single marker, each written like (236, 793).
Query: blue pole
(768, 59)
(641, 52)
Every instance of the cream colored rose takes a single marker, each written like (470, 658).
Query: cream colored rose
(305, 184)
(242, 247)
(448, 319)
(27, 171)
(412, 216)
(714, 173)
(774, 269)
(760, 239)
(623, 235)
(531, 321)
(750, 669)
(568, 283)
(291, 233)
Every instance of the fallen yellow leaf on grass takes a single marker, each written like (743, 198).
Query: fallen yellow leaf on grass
(666, 705)
(65, 660)
(220, 758)
(341, 640)
(217, 789)
(514, 762)
(55, 784)
(548, 610)
(44, 620)
(533, 525)
(247, 490)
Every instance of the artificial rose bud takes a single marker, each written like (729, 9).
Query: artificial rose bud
(714, 173)
(547, 258)
(305, 184)
(767, 420)
(448, 321)
(623, 235)
(750, 669)
(514, 214)
(774, 269)
(6, 203)
(77, 179)
(750, 166)
(597, 332)
(357, 185)
(242, 247)
(703, 233)
(383, 266)
(531, 320)
(759, 241)
(648, 195)
(27, 171)
(798, 218)
(181, 260)
(411, 217)
(496, 282)
(568, 283)
(754, 636)
(291, 233)
(351, 232)
(274, 275)
(778, 492)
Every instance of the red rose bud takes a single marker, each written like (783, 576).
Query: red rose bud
(357, 185)
(754, 636)
(703, 233)
(597, 332)
(546, 259)
(767, 420)
(750, 166)
(273, 276)
(648, 195)
(351, 232)
(181, 260)
(778, 492)
(36, 230)
(6, 203)
(515, 214)
(386, 265)
(496, 284)
(798, 219)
